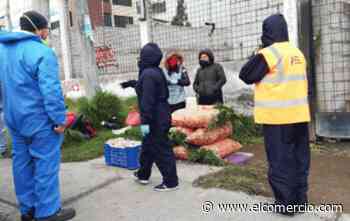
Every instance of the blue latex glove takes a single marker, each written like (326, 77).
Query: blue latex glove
(145, 129)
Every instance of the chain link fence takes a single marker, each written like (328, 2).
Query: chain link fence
(332, 53)
(230, 28)
(331, 27)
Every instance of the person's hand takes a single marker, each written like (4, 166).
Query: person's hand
(126, 84)
(59, 129)
(145, 129)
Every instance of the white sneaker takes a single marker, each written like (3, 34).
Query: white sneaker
(138, 180)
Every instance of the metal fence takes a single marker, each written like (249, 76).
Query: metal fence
(332, 52)
(231, 28)
(331, 27)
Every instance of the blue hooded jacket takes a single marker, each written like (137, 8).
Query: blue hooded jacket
(31, 89)
(152, 90)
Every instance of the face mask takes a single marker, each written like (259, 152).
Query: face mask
(204, 63)
(172, 64)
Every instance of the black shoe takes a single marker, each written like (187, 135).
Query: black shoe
(282, 210)
(28, 217)
(137, 179)
(163, 188)
(62, 215)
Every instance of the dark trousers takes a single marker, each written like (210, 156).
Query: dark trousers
(211, 100)
(156, 149)
(175, 107)
(288, 154)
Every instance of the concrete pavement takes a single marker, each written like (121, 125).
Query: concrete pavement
(105, 193)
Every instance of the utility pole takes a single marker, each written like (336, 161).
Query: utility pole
(65, 39)
(88, 54)
(42, 6)
(8, 16)
(145, 22)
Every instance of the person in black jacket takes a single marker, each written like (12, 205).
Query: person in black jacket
(152, 92)
(209, 80)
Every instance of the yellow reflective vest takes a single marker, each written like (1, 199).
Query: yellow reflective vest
(282, 95)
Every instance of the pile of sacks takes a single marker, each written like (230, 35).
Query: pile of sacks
(194, 123)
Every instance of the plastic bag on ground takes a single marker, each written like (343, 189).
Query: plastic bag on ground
(224, 148)
(197, 117)
(205, 137)
(181, 153)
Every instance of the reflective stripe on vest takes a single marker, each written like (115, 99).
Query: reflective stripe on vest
(281, 104)
(280, 76)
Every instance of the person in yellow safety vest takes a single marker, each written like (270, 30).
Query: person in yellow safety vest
(278, 71)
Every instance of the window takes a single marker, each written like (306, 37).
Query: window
(123, 2)
(108, 19)
(55, 25)
(123, 21)
(159, 7)
(71, 18)
(106, 1)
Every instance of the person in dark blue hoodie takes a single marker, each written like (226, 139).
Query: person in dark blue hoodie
(153, 93)
(35, 116)
(287, 143)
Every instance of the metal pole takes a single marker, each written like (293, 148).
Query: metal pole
(290, 11)
(313, 91)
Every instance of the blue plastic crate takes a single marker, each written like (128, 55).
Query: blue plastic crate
(122, 157)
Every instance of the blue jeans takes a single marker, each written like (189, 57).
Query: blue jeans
(3, 142)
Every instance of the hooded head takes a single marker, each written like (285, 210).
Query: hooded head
(206, 62)
(36, 23)
(173, 60)
(150, 56)
(275, 29)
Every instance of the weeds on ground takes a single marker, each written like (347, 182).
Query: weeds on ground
(235, 178)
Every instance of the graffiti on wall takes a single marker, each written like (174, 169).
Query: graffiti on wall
(105, 57)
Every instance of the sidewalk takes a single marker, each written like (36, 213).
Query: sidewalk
(104, 193)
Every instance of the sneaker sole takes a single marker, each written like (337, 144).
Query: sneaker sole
(69, 217)
(167, 189)
(142, 182)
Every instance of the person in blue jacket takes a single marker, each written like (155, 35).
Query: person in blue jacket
(153, 93)
(35, 117)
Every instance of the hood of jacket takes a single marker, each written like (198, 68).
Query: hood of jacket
(275, 29)
(170, 54)
(150, 56)
(209, 53)
(11, 37)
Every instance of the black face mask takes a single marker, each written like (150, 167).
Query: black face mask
(204, 63)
